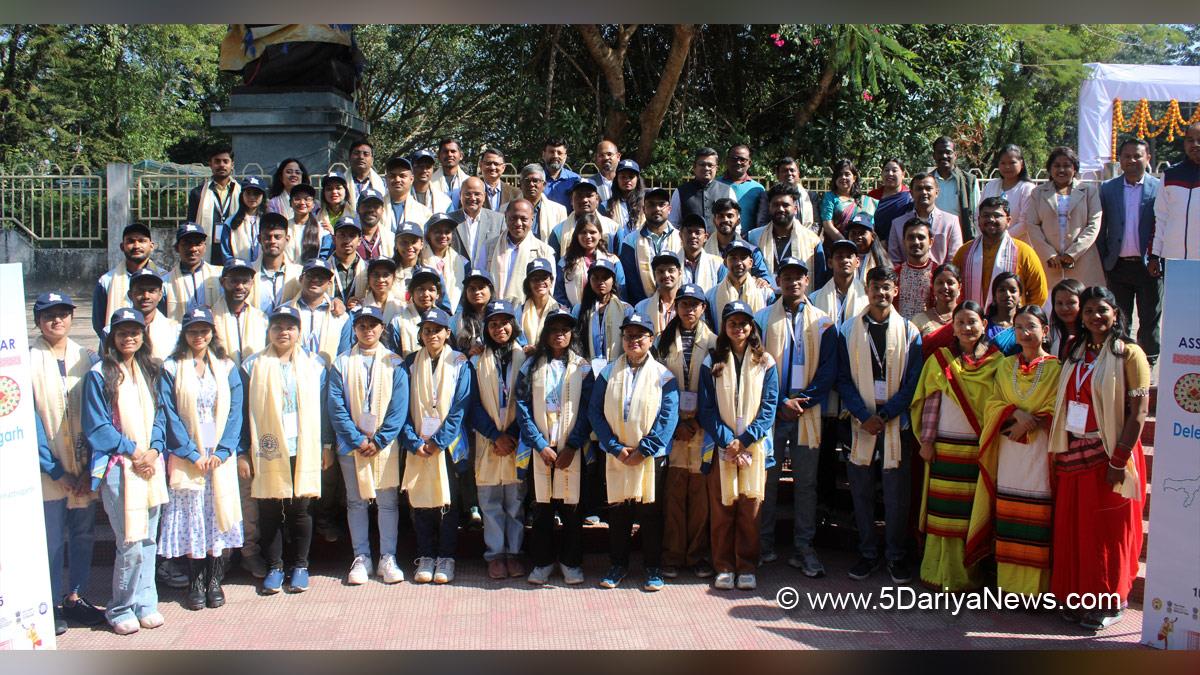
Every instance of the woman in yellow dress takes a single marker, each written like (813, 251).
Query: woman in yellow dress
(1012, 513)
(947, 415)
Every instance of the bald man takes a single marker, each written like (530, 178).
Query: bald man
(605, 158)
(477, 225)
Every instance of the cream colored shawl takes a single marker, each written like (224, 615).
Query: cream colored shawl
(749, 293)
(273, 475)
(687, 454)
(427, 479)
(614, 315)
(180, 293)
(532, 320)
(739, 398)
(242, 335)
(163, 332)
(550, 482)
(899, 334)
(632, 482)
(136, 407)
(452, 268)
(208, 200)
(58, 401)
(183, 474)
(803, 244)
(777, 337)
(644, 254)
(490, 468)
(118, 288)
(382, 470)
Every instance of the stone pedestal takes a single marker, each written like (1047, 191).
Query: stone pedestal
(315, 127)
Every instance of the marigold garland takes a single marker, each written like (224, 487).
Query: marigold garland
(1144, 124)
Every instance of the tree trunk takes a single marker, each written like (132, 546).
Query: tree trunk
(652, 117)
(804, 113)
(611, 61)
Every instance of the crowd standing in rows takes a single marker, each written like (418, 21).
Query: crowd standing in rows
(472, 349)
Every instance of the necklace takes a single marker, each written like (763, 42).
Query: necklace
(1095, 347)
(1037, 376)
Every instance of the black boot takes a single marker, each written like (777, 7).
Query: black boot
(196, 583)
(215, 572)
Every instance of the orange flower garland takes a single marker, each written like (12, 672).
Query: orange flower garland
(1146, 126)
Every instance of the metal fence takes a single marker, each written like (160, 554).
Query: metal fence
(53, 207)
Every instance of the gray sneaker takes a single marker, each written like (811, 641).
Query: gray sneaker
(571, 575)
(767, 557)
(443, 572)
(424, 572)
(808, 564)
(540, 576)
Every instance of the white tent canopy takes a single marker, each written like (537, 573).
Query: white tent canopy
(1129, 83)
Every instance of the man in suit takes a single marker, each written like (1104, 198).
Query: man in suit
(496, 191)
(476, 225)
(214, 201)
(1126, 228)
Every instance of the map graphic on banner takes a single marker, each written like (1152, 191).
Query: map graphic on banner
(1171, 612)
(26, 613)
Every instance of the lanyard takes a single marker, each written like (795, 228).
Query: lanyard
(875, 350)
(555, 370)
(368, 365)
(196, 299)
(599, 348)
(631, 381)
(1082, 378)
(223, 207)
(502, 372)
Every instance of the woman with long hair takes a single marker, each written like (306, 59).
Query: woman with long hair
(947, 417)
(892, 196)
(625, 204)
(308, 237)
(588, 244)
(239, 237)
(946, 290)
(1014, 185)
(288, 174)
(125, 425)
(553, 390)
(1099, 470)
(467, 326)
(539, 303)
(599, 314)
(739, 390)
(844, 200)
(1007, 292)
(334, 200)
(442, 257)
(1064, 317)
(1062, 222)
(204, 407)
(1011, 513)
(682, 346)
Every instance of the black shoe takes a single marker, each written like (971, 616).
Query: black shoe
(214, 596)
(82, 612)
(863, 568)
(60, 624)
(900, 572)
(197, 582)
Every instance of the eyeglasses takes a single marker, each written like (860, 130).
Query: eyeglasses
(634, 339)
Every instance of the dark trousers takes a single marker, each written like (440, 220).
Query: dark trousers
(650, 523)
(329, 510)
(1131, 283)
(437, 529)
(542, 543)
(273, 516)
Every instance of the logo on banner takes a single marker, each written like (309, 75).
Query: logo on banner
(10, 395)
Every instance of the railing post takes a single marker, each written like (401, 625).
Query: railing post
(118, 183)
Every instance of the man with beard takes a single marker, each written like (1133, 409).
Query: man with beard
(701, 193)
(449, 178)
(211, 204)
(584, 200)
(726, 216)
(749, 192)
(559, 179)
(639, 249)
(362, 172)
(784, 236)
(112, 289)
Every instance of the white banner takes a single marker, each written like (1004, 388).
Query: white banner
(1171, 611)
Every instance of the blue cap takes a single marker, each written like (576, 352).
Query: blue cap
(439, 218)
(691, 291)
(336, 176)
(422, 273)
(144, 274)
(133, 228)
(500, 308)
(603, 264)
(254, 183)
(347, 221)
(560, 314)
(437, 316)
(411, 228)
(862, 219)
(284, 312)
(421, 154)
(200, 314)
(584, 185)
(842, 243)
(476, 273)
(666, 257)
(629, 165)
(736, 307)
(739, 245)
(52, 299)
(789, 261)
(368, 312)
(383, 262)
(126, 315)
(370, 194)
(316, 264)
(189, 228)
(305, 188)
(639, 320)
(539, 265)
(232, 264)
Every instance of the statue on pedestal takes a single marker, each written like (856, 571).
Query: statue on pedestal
(293, 56)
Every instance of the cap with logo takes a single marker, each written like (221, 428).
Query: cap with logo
(316, 265)
(347, 222)
(629, 165)
(284, 312)
(862, 219)
(603, 264)
(666, 258)
(143, 275)
(842, 243)
(691, 291)
(368, 312)
(436, 316)
(739, 245)
(420, 155)
(638, 320)
(335, 176)
(197, 315)
(500, 308)
(234, 264)
(254, 183)
(422, 273)
(410, 228)
(583, 185)
(539, 265)
(52, 299)
(188, 229)
(370, 195)
(126, 315)
(389, 263)
(560, 314)
(736, 307)
(476, 273)
(790, 262)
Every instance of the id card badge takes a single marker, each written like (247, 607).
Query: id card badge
(1077, 417)
(741, 426)
(688, 401)
(797, 382)
(881, 392)
(208, 435)
(598, 364)
(429, 427)
(552, 407)
(368, 424)
(291, 425)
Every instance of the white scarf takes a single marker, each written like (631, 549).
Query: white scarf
(381, 470)
(183, 474)
(899, 334)
(1006, 261)
(632, 482)
(551, 482)
(427, 479)
(490, 468)
(58, 401)
(738, 398)
(135, 408)
(208, 201)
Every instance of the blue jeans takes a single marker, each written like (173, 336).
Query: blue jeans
(70, 531)
(358, 513)
(502, 508)
(896, 487)
(133, 592)
(804, 490)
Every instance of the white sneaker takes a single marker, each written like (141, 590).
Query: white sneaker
(153, 620)
(724, 581)
(571, 575)
(444, 571)
(540, 576)
(746, 582)
(424, 573)
(389, 571)
(127, 627)
(360, 571)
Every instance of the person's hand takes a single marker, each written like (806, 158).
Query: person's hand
(735, 446)
(79, 485)
(1067, 261)
(1114, 476)
(243, 468)
(1053, 262)
(529, 349)
(744, 459)
(327, 457)
(565, 458)
(762, 283)
(427, 449)
(475, 350)
(504, 445)
(927, 451)
(144, 463)
(368, 449)
(874, 425)
(207, 463)
(337, 307)
(548, 456)
(353, 304)
(634, 457)
(1155, 267)
(1022, 424)
(686, 429)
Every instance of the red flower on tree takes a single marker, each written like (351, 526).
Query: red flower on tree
(866, 95)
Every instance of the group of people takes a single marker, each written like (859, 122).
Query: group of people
(455, 347)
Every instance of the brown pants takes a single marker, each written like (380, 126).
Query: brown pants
(685, 532)
(734, 528)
